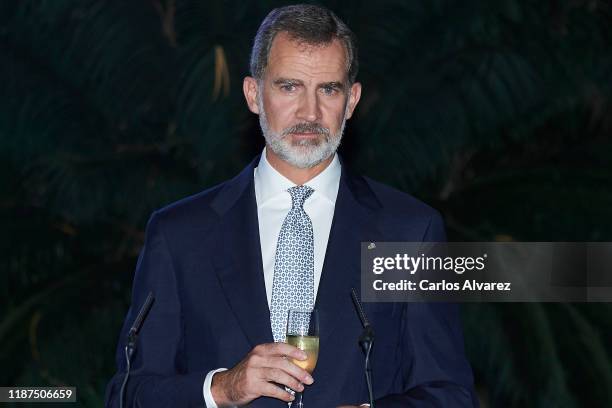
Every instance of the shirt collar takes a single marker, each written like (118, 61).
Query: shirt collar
(269, 182)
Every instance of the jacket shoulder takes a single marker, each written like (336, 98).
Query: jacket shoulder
(191, 211)
(204, 209)
(404, 217)
(396, 201)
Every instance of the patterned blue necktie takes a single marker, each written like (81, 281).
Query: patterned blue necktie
(293, 285)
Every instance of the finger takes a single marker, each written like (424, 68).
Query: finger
(271, 390)
(281, 377)
(292, 369)
(298, 372)
(280, 349)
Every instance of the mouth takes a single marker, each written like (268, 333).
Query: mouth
(305, 135)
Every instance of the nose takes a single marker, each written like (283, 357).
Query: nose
(309, 109)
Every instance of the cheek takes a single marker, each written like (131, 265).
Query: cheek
(333, 113)
(279, 112)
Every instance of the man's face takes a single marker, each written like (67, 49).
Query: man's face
(303, 100)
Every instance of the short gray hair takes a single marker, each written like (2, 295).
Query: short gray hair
(310, 24)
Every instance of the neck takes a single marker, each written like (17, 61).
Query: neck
(295, 174)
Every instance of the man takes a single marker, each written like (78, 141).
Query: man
(226, 264)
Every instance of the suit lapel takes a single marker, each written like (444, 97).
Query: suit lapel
(238, 261)
(353, 222)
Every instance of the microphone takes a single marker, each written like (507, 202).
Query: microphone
(132, 337)
(365, 341)
(368, 333)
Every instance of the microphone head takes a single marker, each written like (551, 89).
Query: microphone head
(360, 312)
(142, 314)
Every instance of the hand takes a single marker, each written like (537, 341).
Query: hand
(253, 376)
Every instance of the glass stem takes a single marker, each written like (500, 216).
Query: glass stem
(297, 402)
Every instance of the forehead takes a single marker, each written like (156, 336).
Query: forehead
(292, 59)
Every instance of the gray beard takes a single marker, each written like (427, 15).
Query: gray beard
(303, 154)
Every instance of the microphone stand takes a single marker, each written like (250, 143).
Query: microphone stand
(130, 347)
(366, 340)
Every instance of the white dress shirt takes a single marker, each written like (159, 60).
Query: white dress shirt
(273, 205)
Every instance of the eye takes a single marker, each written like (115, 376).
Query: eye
(288, 87)
(329, 90)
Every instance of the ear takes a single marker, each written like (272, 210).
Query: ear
(250, 89)
(354, 97)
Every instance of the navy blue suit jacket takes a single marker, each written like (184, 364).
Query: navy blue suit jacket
(202, 260)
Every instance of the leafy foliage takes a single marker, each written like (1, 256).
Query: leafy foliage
(497, 113)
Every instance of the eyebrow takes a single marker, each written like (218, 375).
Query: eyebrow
(333, 84)
(282, 81)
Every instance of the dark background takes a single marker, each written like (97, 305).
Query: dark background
(497, 113)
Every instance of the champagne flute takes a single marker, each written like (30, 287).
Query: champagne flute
(303, 333)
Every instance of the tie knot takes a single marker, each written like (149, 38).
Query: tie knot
(299, 194)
